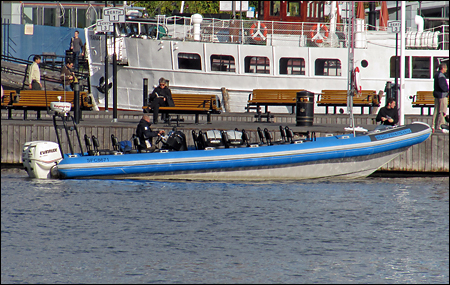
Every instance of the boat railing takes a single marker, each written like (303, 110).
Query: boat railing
(255, 32)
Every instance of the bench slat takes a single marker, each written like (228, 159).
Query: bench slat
(339, 98)
(192, 104)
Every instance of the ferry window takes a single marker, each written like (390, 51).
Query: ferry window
(328, 67)
(294, 66)
(189, 61)
(254, 64)
(436, 62)
(222, 63)
(392, 67)
(293, 9)
(364, 63)
(275, 8)
(421, 67)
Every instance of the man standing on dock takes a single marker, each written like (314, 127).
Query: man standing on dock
(34, 74)
(76, 46)
(440, 94)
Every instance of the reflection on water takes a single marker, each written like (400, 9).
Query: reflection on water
(374, 230)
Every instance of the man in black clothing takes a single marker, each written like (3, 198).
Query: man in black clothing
(440, 94)
(145, 134)
(388, 115)
(160, 97)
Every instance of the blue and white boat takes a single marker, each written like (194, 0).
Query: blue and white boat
(343, 156)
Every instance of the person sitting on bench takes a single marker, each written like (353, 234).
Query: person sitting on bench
(160, 97)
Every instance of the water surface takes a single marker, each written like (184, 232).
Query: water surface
(373, 230)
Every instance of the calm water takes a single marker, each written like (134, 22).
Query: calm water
(375, 230)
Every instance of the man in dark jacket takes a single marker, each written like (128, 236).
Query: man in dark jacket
(440, 94)
(145, 134)
(388, 115)
(160, 97)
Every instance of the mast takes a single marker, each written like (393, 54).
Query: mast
(351, 58)
(400, 96)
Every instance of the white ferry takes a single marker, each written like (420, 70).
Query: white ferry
(293, 45)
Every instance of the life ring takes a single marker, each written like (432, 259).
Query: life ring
(357, 80)
(257, 34)
(317, 37)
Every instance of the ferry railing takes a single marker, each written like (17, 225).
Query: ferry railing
(243, 32)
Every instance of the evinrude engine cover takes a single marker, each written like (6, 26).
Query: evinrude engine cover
(38, 157)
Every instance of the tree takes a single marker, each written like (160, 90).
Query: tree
(191, 7)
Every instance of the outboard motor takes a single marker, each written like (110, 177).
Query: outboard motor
(38, 158)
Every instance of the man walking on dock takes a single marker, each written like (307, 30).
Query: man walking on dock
(440, 94)
(34, 74)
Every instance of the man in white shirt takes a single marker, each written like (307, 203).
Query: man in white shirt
(34, 75)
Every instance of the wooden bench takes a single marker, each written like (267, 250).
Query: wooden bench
(191, 104)
(339, 98)
(8, 98)
(271, 97)
(39, 100)
(423, 99)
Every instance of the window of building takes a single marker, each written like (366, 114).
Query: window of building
(328, 67)
(189, 61)
(221, 62)
(293, 8)
(66, 18)
(49, 16)
(293, 66)
(392, 67)
(30, 15)
(421, 67)
(275, 8)
(81, 18)
(255, 64)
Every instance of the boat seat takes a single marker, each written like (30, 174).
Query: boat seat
(96, 145)
(261, 136)
(88, 143)
(234, 138)
(115, 142)
(197, 141)
(136, 144)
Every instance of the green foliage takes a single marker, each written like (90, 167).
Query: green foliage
(191, 7)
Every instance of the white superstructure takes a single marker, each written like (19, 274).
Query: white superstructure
(212, 54)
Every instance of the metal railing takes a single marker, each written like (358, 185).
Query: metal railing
(254, 32)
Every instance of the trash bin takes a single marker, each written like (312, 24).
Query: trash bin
(305, 108)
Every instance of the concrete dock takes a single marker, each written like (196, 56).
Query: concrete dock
(431, 156)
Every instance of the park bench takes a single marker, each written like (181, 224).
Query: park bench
(190, 104)
(423, 99)
(39, 100)
(8, 98)
(336, 98)
(271, 97)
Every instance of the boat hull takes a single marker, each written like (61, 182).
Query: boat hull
(337, 156)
